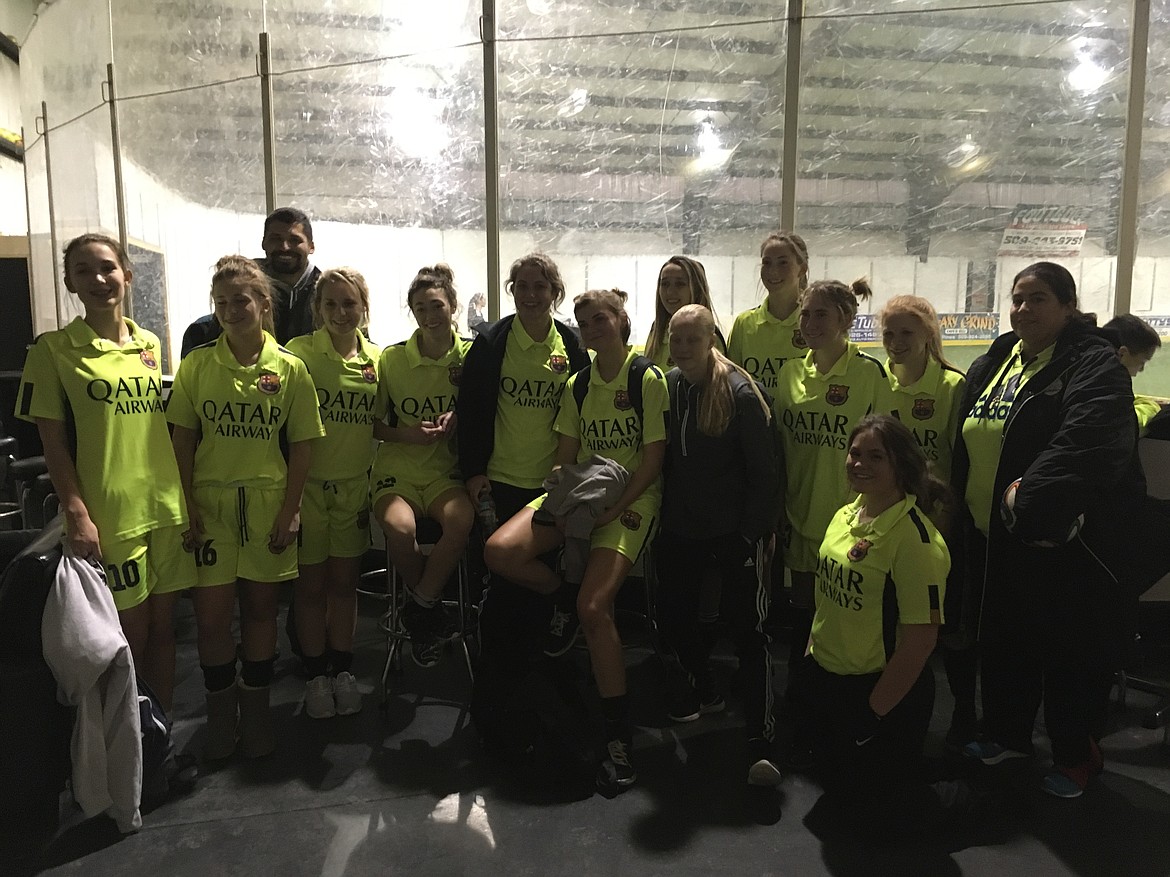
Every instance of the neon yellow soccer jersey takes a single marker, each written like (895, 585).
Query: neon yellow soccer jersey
(983, 431)
(930, 407)
(240, 411)
(347, 396)
(532, 378)
(852, 630)
(413, 389)
(609, 426)
(815, 413)
(1145, 407)
(113, 398)
(762, 344)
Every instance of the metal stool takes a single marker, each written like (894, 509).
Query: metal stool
(11, 517)
(27, 488)
(392, 623)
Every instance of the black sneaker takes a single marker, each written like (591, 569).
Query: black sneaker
(563, 629)
(762, 769)
(426, 629)
(687, 704)
(964, 729)
(710, 700)
(616, 774)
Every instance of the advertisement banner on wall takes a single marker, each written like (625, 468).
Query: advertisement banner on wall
(956, 328)
(1160, 323)
(1037, 232)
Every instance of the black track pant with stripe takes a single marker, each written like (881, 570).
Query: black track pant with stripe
(681, 565)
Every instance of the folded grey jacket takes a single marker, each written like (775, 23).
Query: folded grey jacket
(579, 493)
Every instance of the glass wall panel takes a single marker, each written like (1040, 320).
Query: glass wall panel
(630, 132)
(970, 143)
(379, 138)
(65, 57)
(191, 149)
(163, 46)
(1151, 275)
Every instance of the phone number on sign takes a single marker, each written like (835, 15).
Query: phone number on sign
(1043, 240)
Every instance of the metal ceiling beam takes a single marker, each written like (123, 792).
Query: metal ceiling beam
(1127, 219)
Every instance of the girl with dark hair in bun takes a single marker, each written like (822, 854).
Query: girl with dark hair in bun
(820, 397)
(604, 424)
(415, 472)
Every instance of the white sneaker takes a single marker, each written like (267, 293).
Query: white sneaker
(345, 691)
(319, 698)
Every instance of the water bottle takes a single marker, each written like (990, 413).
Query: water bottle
(486, 511)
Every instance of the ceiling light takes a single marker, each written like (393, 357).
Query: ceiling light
(712, 155)
(1087, 76)
(963, 154)
(415, 124)
(708, 138)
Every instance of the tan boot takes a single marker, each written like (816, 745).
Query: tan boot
(220, 741)
(257, 737)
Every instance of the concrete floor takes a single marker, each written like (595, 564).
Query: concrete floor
(407, 791)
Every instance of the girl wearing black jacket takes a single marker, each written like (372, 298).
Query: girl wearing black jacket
(510, 391)
(720, 499)
(1046, 464)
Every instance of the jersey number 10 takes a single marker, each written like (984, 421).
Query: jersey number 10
(123, 577)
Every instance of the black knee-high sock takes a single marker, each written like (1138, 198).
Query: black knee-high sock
(316, 665)
(217, 677)
(616, 712)
(339, 662)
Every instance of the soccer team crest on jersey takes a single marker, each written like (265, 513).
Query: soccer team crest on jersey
(857, 552)
(837, 394)
(559, 364)
(147, 357)
(454, 374)
(369, 373)
(923, 409)
(631, 520)
(268, 383)
(621, 400)
(798, 339)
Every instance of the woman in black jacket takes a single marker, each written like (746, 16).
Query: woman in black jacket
(509, 395)
(1047, 466)
(720, 499)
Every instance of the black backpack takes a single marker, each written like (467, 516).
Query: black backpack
(162, 771)
(638, 366)
(537, 728)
